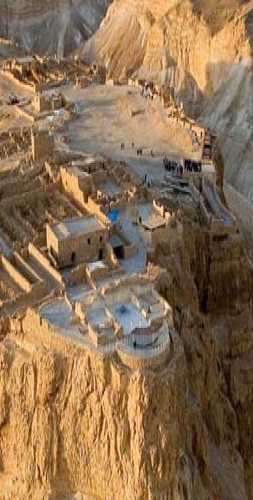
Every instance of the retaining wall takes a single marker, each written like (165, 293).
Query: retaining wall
(36, 327)
(134, 362)
(43, 261)
(31, 274)
(16, 276)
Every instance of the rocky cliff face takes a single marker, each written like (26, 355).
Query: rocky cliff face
(203, 50)
(57, 26)
(74, 423)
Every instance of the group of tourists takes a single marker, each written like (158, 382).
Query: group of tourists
(193, 166)
(173, 166)
(139, 151)
(176, 168)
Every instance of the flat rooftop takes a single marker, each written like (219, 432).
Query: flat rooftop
(150, 219)
(76, 227)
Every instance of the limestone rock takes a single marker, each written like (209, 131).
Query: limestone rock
(201, 49)
(74, 424)
(50, 26)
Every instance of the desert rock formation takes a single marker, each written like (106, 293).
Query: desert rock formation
(81, 419)
(47, 26)
(88, 424)
(201, 49)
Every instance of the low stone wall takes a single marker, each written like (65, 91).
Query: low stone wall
(35, 87)
(24, 114)
(15, 275)
(72, 185)
(27, 270)
(33, 288)
(43, 261)
(94, 209)
(97, 273)
(135, 362)
(39, 329)
(77, 275)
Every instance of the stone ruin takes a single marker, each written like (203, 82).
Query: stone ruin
(42, 144)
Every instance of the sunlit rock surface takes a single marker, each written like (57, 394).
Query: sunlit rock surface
(201, 49)
(54, 26)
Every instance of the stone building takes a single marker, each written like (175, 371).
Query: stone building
(77, 183)
(44, 102)
(23, 64)
(76, 241)
(82, 82)
(42, 144)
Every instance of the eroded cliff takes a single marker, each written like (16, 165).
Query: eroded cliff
(47, 26)
(73, 421)
(201, 49)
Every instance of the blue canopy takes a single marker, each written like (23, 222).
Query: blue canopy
(113, 216)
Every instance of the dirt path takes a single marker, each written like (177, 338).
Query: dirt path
(102, 127)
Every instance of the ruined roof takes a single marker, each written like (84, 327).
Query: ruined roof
(76, 227)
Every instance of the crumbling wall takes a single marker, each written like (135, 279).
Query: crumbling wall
(42, 145)
(77, 187)
(93, 207)
(17, 277)
(42, 260)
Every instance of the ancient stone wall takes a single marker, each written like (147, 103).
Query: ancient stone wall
(17, 277)
(135, 362)
(42, 145)
(79, 187)
(93, 207)
(42, 260)
(78, 248)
